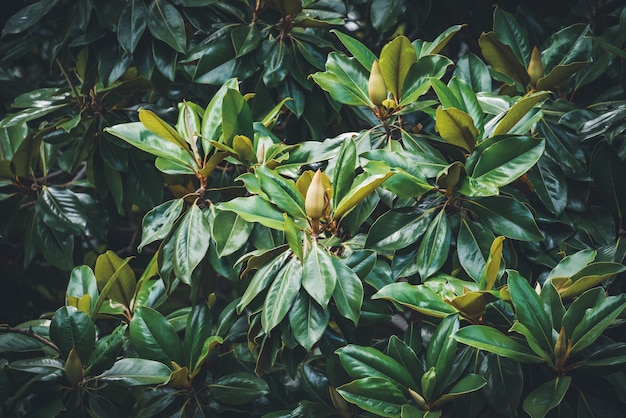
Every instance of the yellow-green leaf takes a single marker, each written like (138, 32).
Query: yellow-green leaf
(396, 59)
(456, 127)
(359, 192)
(502, 58)
(490, 273)
(559, 74)
(157, 125)
(518, 111)
(472, 304)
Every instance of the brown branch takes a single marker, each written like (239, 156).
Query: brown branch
(29, 333)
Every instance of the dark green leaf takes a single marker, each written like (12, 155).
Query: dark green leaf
(308, 320)
(319, 276)
(166, 24)
(502, 58)
(61, 210)
(362, 362)
(510, 33)
(343, 174)
(397, 229)
(348, 294)
(136, 372)
(359, 51)
(491, 340)
(345, 80)
(374, 394)
(419, 298)
(595, 320)
(133, 22)
(154, 337)
(546, 397)
(433, 250)
(71, 328)
(28, 16)
(282, 192)
(474, 72)
(106, 351)
(158, 222)
(230, 232)
(191, 242)
(198, 329)
(281, 294)
(238, 388)
(505, 216)
(505, 382)
(473, 246)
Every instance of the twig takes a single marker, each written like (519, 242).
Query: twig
(29, 333)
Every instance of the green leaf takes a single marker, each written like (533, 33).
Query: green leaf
(570, 45)
(308, 320)
(359, 51)
(507, 159)
(282, 192)
(71, 328)
(348, 294)
(211, 129)
(116, 276)
(318, 275)
(281, 294)
(362, 187)
(270, 264)
(158, 126)
(238, 388)
(418, 78)
(45, 365)
(236, 117)
(505, 216)
(550, 185)
(106, 351)
(230, 232)
(546, 397)
(442, 348)
(158, 222)
(255, 209)
(82, 282)
(153, 337)
(396, 58)
(434, 247)
(456, 127)
(572, 264)
(505, 383)
(166, 23)
(343, 174)
(139, 136)
(590, 276)
(136, 372)
(473, 247)
(529, 310)
(474, 72)
(208, 345)
(61, 210)
(518, 111)
(468, 384)
(198, 329)
(345, 80)
(434, 47)
(502, 58)
(28, 16)
(510, 33)
(595, 320)
(606, 169)
(374, 394)
(397, 229)
(490, 339)
(419, 298)
(132, 24)
(361, 362)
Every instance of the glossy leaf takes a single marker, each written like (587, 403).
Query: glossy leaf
(518, 111)
(62, 210)
(512, 34)
(456, 127)
(238, 388)
(166, 23)
(281, 294)
(343, 174)
(396, 58)
(418, 79)
(308, 320)
(236, 117)
(546, 397)
(468, 384)
(505, 383)
(474, 72)
(493, 341)
(318, 275)
(154, 337)
(116, 276)
(595, 320)
(255, 209)
(473, 247)
(212, 117)
(359, 51)
(348, 293)
(191, 242)
(106, 351)
(230, 232)
(419, 298)
(282, 192)
(374, 394)
(71, 328)
(397, 229)
(362, 188)
(590, 276)
(136, 372)
(505, 216)
(158, 222)
(198, 329)
(83, 282)
(442, 348)
(158, 126)
(434, 247)
(345, 80)
(502, 58)
(362, 362)
(132, 24)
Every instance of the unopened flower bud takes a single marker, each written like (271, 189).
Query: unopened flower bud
(73, 368)
(376, 86)
(535, 67)
(314, 201)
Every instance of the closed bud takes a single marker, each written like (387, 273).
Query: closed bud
(73, 368)
(314, 202)
(561, 347)
(376, 86)
(535, 67)
(429, 381)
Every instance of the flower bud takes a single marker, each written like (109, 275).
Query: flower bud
(73, 368)
(535, 67)
(314, 202)
(429, 381)
(376, 86)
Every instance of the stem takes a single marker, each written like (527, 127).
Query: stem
(29, 333)
(69, 81)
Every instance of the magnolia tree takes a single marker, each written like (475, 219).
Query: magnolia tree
(448, 243)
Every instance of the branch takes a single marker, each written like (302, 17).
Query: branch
(29, 333)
